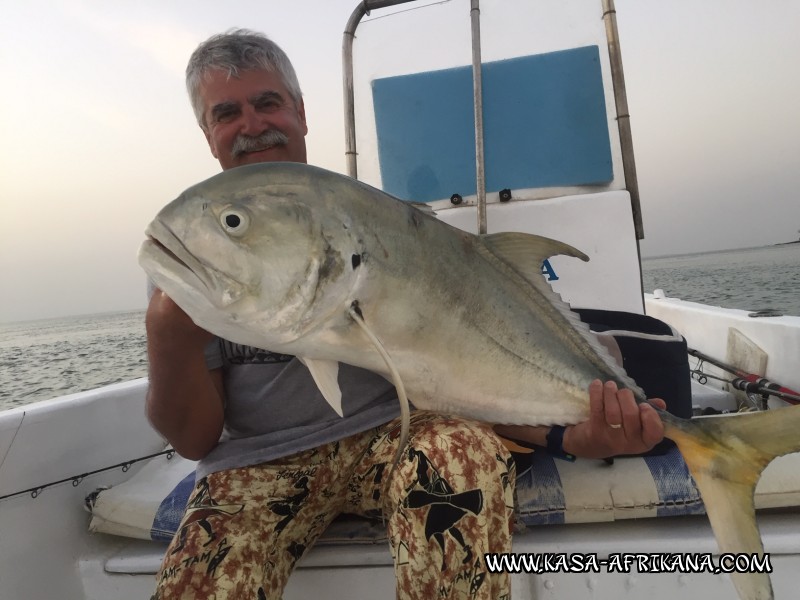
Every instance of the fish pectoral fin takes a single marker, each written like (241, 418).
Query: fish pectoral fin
(326, 376)
(726, 456)
(525, 252)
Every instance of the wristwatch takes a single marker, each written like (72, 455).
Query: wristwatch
(555, 443)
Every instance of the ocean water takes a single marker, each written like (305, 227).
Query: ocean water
(53, 357)
(50, 358)
(751, 279)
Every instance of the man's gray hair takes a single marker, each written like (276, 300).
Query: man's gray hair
(234, 51)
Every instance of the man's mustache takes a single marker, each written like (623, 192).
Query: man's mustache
(263, 141)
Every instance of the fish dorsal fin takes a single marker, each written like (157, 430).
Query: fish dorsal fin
(522, 254)
(525, 252)
(326, 376)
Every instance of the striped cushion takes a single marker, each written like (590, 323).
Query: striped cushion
(557, 491)
(151, 503)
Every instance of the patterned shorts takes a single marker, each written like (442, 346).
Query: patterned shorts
(447, 502)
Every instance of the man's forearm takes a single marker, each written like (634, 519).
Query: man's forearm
(185, 401)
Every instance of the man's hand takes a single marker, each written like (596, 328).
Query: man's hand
(167, 323)
(639, 427)
(616, 425)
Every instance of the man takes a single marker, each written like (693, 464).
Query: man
(277, 464)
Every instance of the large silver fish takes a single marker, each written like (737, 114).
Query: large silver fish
(303, 261)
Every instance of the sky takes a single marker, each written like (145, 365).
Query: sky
(96, 133)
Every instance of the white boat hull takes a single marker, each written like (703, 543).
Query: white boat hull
(53, 555)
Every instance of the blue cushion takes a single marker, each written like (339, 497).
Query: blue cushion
(151, 503)
(545, 494)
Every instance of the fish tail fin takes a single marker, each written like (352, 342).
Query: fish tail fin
(726, 456)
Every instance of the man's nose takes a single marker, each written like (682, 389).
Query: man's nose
(253, 123)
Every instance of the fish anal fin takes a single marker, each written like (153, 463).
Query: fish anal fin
(326, 376)
(525, 252)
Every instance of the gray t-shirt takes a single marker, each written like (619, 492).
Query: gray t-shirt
(274, 408)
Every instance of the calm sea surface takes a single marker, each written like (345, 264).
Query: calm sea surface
(750, 279)
(49, 358)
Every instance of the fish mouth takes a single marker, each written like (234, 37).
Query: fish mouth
(166, 249)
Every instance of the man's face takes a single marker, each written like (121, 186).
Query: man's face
(238, 109)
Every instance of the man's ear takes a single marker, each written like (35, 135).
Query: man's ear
(301, 112)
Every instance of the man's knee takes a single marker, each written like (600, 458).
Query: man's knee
(460, 447)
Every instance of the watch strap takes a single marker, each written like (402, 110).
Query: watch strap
(555, 443)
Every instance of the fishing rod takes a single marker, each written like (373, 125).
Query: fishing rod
(751, 388)
(747, 382)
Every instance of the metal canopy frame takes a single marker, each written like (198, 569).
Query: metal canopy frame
(618, 82)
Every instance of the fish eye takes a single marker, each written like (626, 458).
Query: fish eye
(234, 222)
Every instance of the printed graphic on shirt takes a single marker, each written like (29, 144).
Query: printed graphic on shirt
(239, 354)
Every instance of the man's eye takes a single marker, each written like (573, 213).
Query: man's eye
(225, 116)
